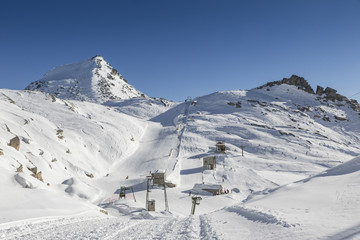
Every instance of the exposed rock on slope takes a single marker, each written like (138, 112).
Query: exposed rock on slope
(327, 94)
(92, 80)
(332, 95)
(297, 81)
(15, 143)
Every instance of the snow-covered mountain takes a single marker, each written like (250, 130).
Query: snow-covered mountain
(93, 80)
(286, 147)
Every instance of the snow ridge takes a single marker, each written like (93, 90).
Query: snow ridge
(257, 216)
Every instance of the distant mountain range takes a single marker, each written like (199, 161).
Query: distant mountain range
(95, 80)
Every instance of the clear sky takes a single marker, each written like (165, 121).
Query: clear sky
(179, 48)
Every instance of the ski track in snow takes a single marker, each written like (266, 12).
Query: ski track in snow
(214, 226)
(207, 231)
(172, 228)
(234, 226)
(71, 228)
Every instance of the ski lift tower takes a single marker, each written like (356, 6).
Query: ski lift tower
(150, 204)
(195, 201)
(123, 190)
(157, 178)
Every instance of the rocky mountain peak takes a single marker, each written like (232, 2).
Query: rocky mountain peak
(294, 80)
(327, 94)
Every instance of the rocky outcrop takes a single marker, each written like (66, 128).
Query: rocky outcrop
(319, 90)
(15, 143)
(90, 175)
(294, 80)
(36, 174)
(20, 168)
(237, 105)
(354, 104)
(329, 94)
(59, 133)
(340, 118)
(332, 95)
(33, 170)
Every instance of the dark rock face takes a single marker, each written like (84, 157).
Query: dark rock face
(329, 94)
(332, 95)
(294, 80)
(354, 104)
(340, 118)
(319, 90)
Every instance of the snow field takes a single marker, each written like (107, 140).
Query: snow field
(277, 192)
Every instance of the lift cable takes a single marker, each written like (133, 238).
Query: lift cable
(354, 94)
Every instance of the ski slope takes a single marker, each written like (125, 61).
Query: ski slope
(291, 166)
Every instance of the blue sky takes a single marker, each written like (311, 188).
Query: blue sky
(174, 49)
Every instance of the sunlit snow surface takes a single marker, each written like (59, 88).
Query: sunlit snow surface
(298, 178)
(93, 80)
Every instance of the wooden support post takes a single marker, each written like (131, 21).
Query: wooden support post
(147, 194)
(242, 150)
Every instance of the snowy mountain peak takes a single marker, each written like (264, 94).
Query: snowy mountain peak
(93, 80)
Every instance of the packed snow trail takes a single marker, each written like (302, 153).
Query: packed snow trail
(220, 225)
(190, 169)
